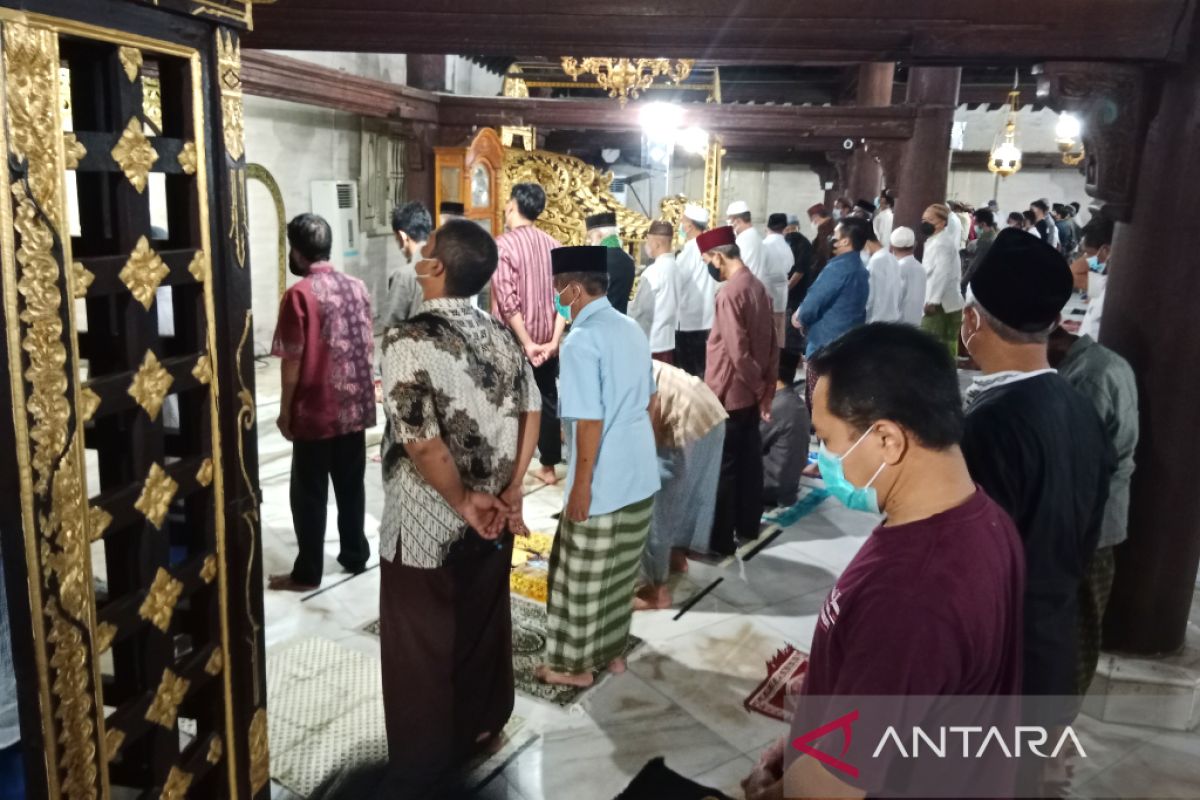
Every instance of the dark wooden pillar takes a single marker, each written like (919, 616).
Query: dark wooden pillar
(926, 164)
(874, 90)
(1149, 302)
(427, 72)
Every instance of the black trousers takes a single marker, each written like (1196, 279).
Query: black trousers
(550, 436)
(691, 352)
(342, 459)
(740, 488)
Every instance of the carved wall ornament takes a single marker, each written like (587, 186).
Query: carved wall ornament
(165, 706)
(159, 605)
(81, 279)
(204, 475)
(131, 61)
(143, 272)
(260, 767)
(229, 78)
(157, 493)
(199, 266)
(113, 739)
(215, 750)
(135, 155)
(624, 78)
(75, 151)
(187, 158)
(177, 785)
(150, 385)
(209, 570)
(215, 663)
(98, 522)
(203, 369)
(105, 633)
(237, 214)
(89, 402)
(152, 104)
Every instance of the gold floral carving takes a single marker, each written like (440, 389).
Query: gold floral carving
(81, 279)
(152, 104)
(187, 158)
(74, 148)
(113, 740)
(135, 155)
(165, 706)
(143, 272)
(177, 785)
(204, 475)
(215, 750)
(229, 77)
(70, 661)
(131, 60)
(260, 768)
(209, 570)
(105, 633)
(90, 402)
(157, 493)
(199, 266)
(215, 663)
(159, 605)
(237, 214)
(150, 385)
(203, 369)
(98, 522)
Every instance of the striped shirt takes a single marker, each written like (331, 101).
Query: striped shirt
(685, 410)
(523, 283)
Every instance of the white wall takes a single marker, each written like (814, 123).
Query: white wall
(391, 67)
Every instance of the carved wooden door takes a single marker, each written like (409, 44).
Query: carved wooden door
(128, 485)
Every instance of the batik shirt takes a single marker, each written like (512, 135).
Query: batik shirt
(325, 323)
(455, 373)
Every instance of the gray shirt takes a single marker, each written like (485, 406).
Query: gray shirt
(785, 447)
(404, 297)
(1107, 381)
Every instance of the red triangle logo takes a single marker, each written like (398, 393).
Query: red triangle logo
(842, 723)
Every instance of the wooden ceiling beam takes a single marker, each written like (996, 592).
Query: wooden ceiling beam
(765, 31)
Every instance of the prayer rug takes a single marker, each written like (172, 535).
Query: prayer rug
(529, 651)
(769, 698)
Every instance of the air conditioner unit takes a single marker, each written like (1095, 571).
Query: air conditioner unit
(337, 202)
(619, 188)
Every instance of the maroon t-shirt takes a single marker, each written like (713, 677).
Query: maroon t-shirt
(928, 608)
(325, 323)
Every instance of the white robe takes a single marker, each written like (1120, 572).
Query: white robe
(696, 291)
(777, 265)
(660, 277)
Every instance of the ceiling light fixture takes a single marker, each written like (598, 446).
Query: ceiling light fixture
(627, 77)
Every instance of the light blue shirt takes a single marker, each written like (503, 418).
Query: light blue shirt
(605, 374)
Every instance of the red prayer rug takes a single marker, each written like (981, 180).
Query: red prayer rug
(785, 676)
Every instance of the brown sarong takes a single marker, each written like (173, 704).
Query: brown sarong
(446, 644)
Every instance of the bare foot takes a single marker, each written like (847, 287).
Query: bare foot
(547, 675)
(546, 475)
(284, 583)
(652, 598)
(679, 561)
(616, 666)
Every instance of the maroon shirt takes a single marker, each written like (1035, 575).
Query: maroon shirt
(325, 323)
(743, 348)
(929, 608)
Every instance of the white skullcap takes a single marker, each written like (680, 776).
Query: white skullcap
(737, 207)
(696, 213)
(903, 238)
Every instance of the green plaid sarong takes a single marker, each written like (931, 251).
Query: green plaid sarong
(593, 566)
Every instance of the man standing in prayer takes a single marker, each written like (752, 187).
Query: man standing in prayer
(749, 240)
(607, 384)
(463, 405)
(799, 279)
(602, 230)
(448, 210)
(778, 261)
(943, 272)
(886, 286)
(523, 299)
(1042, 221)
(784, 441)
(864, 209)
(325, 340)
(985, 234)
(697, 293)
(912, 276)
(837, 300)
(1107, 380)
(411, 225)
(884, 216)
(661, 279)
(689, 430)
(793, 225)
(931, 603)
(822, 241)
(1091, 271)
(743, 362)
(1036, 445)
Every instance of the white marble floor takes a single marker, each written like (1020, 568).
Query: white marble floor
(682, 696)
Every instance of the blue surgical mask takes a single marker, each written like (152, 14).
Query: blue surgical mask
(564, 311)
(1094, 264)
(853, 497)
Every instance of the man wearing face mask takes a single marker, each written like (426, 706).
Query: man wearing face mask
(943, 273)
(743, 363)
(1091, 272)
(660, 279)
(325, 340)
(1035, 444)
(931, 603)
(837, 300)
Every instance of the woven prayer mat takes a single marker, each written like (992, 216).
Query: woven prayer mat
(769, 698)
